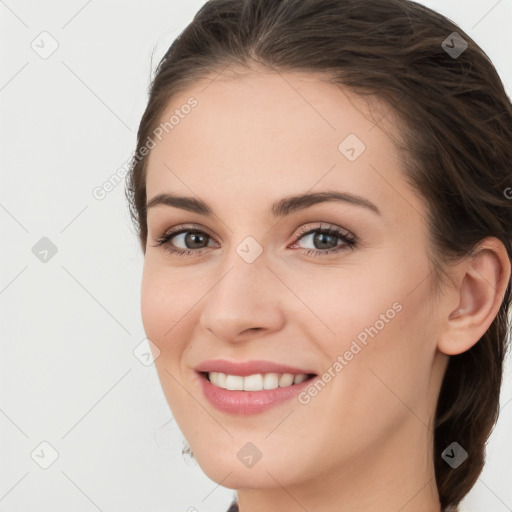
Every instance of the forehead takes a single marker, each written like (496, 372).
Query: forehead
(267, 134)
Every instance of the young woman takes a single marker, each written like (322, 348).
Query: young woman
(321, 189)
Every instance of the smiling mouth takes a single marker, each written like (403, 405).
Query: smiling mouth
(257, 381)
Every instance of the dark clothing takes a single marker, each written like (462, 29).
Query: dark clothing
(233, 507)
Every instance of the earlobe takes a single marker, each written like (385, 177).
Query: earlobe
(484, 278)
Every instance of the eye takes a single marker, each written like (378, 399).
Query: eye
(194, 239)
(324, 240)
(191, 236)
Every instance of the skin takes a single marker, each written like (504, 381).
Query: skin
(365, 441)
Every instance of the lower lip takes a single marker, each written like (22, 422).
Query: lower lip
(245, 403)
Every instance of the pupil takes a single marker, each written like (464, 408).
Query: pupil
(320, 236)
(191, 238)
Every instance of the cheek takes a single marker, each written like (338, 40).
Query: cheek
(349, 304)
(381, 382)
(388, 355)
(153, 305)
(165, 311)
(382, 337)
(166, 300)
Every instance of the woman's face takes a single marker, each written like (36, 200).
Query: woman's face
(265, 282)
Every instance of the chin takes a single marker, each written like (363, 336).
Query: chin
(240, 477)
(227, 469)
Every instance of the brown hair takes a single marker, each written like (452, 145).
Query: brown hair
(456, 122)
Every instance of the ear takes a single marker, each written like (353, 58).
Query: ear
(482, 280)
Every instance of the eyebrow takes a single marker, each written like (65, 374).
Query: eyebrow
(280, 208)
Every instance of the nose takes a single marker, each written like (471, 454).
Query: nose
(244, 302)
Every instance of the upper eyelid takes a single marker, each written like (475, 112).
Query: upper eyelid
(185, 228)
(306, 229)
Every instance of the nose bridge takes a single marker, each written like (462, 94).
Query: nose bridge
(243, 297)
(242, 269)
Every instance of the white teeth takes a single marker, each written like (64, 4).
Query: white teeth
(285, 380)
(300, 378)
(234, 382)
(256, 382)
(271, 381)
(253, 382)
(221, 379)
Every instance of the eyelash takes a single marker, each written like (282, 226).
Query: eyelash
(348, 240)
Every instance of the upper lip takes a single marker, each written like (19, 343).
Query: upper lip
(244, 368)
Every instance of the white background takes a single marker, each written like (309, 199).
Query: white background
(69, 326)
